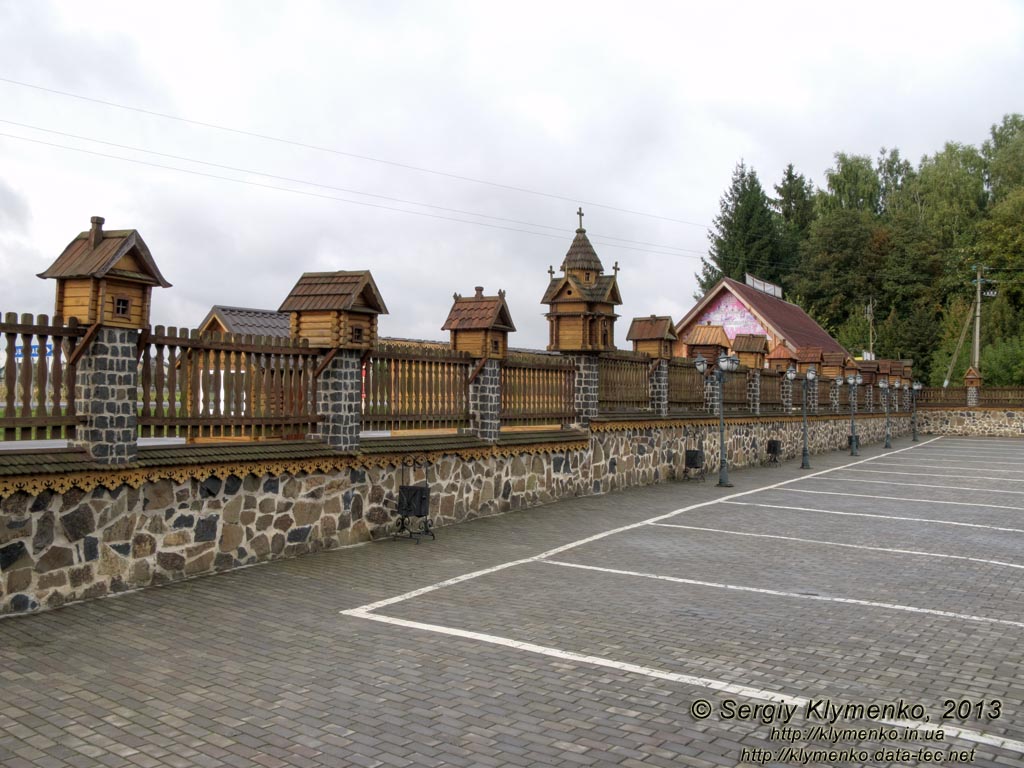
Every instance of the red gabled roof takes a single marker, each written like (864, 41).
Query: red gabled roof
(787, 320)
(479, 313)
(651, 328)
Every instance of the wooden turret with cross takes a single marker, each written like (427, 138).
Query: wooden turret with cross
(581, 302)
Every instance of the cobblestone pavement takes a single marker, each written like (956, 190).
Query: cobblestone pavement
(595, 633)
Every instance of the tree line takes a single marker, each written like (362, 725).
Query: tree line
(885, 256)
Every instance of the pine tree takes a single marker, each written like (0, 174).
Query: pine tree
(744, 238)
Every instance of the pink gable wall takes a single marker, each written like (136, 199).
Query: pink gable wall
(728, 312)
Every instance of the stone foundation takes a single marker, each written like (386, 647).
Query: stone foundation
(985, 422)
(57, 547)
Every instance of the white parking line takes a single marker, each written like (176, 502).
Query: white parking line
(926, 485)
(571, 545)
(759, 694)
(957, 460)
(900, 498)
(794, 595)
(879, 517)
(841, 544)
(937, 474)
(919, 465)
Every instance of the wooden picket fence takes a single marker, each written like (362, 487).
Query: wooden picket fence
(771, 391)
(415, 387)
(623, 382)
(734, 391)
(685, 386)
(39, 394)
(537, 390)
(209, 385)
(998, 397)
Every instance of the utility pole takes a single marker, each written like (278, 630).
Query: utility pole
(870, 312)
(976, 357)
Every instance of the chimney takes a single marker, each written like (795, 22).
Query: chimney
(96, 233)
(479, 292)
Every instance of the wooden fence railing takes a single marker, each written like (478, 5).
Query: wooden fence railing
(410, 387)
(996, 397)
(824, 396)
(734, 391)
(685, 386)
(623, 382)
(38, 379)
(771, 391)
(537, 390)
(943, 397)
(214, 385)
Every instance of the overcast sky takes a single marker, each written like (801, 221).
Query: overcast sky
(637, 111)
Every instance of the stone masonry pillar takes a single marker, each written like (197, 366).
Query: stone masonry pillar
(812, 396)
(587, 377)
(658, 388)
(972, 397)
(834, 396)
(786, 391)
(485, 402)
(711, 394)
(106, 395)
(869, 397)
(754, 391)
(339, 400)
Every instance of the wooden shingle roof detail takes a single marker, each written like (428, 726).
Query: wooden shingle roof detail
(581, 254)
(651, 328)
(96, 253)
(750, 342)
(834, 358)
(605, 289)
(257, 322)
(479, 313)
(809, 355)
(713, 335)
(342, 291)
(781, 352)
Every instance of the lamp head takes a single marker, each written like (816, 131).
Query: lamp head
(851, 380)
(918, 386)
(700, 364)
(883, 384)
(858, 380)
(811, 374)
(791, 373)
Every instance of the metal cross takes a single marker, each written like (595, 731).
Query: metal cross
(580, 214)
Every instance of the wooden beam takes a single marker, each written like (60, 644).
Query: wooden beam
(80, 349)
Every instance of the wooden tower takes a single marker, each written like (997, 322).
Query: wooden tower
(480, 325)
(335, 309)
(106, 278)
(581, 303)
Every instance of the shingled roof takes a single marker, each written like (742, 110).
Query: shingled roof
(651, 328)
(479, 313)
(604, 289)
(808, 355)
(581, 254)
(712, 335)
(95, 254)
(325, 291)
(750, 342)
(256, 322)
(781, 352)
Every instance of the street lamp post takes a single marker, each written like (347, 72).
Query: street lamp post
(726, 364)
(810, 376)
(883, 384)
(913, 409)
(853, 380)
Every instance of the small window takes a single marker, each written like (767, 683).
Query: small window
(357, 335)
(586, 277)
(122, 306)
(495, 345)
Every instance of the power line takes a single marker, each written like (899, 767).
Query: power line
(291, 142)
(328, 186)
(322, 196)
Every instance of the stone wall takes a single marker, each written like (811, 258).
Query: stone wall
(990, 422)
(59, 547)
